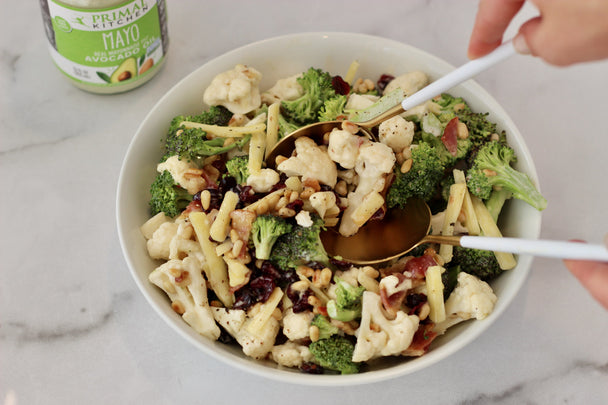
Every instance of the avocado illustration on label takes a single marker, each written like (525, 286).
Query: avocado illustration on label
(126, 71)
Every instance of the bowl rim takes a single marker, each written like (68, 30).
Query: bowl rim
(278, 373)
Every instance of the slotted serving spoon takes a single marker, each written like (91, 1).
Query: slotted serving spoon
(403, 229)
(316, 130)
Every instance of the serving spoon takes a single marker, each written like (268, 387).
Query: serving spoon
(316, 130)
(403, 229)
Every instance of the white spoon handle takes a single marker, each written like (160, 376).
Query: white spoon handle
(545, 248)
(459, 75)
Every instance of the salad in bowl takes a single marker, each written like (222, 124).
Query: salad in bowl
(235, 240)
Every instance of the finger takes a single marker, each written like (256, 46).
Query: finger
(527, 39)
(593, 276)
(493, 18)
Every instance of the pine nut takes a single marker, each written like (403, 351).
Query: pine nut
(178, 307)
(425, 310)
(205, 199)
(314, 333)
(406, 166)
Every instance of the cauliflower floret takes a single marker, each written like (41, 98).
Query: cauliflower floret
(360, 101)
(296, 325)
(184, 174)
(151, 225)
(159, 245)
(304, 219)
(409, 82)
(284, 89)
(472, 298)
(183, 282)
(374, 162)
(394, 336)
(262, 181)
(343, 147)
(310, 162)
(182, 244)
(324, 202)
(236, 89)
(291, 354)
(236, 322)
(397, 133)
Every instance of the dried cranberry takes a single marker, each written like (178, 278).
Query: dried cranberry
(415, 301)
(227, 183)
(219, 164)
(383, 81)
(299, 300)
(258, 290)
(246, 194)
(340, 86)
(216, 199)
(296, 205)
(340, 264)
(280, 184)
(311, 368)
(268, 269)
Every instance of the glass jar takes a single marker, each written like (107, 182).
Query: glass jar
(106, 46)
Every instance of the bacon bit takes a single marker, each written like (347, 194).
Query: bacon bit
(340, 86)
(194, 206)
(393, 302)
(423, 338)
(450, 136)
(323, 310)
(417, 266)
(312, 183)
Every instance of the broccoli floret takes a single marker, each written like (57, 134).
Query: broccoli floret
(286, 127)
(333, 108)
(326, 328)
(167, 196)
(347, 305)
(492, 169)
(463, 146)
(192, 143)
(449, 279)
(265, 231)
(301, 246)
(422, 180)
(317, 87)
(335, 353)
(479, 263)
(496, 202)
(237, 168)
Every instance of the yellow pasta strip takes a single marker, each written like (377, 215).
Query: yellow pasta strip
(272, 126)
(457, 192)
(471, 222)
(260, 319)
(257, 146)
(349, 77)
(506, 260)
(214, 266)
(434, 289)
(225, 132)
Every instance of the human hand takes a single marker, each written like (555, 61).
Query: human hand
(593, 276)
(565, 32)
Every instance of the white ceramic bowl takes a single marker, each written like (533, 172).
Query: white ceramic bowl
(277, 58)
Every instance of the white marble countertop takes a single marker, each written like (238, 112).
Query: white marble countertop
(75, 329)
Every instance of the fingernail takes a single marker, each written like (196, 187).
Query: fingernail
(520, 45)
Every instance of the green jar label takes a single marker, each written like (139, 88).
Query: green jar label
(107, 47)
